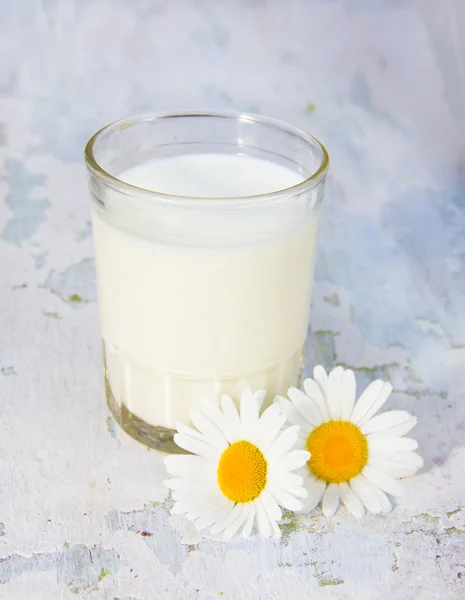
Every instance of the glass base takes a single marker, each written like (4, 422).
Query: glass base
(158, 438)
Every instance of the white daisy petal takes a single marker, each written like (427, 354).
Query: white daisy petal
(185, 430)
(275, 530)
(397, 430)
(410, 459)
(386, 420)
(384, 481)
(288, 409)
(366, 401)
(348, 394)
(208, 429)
(216, 416)
(285, 499)
(351, 501)
(305, 407)
(249, 409)
(386, 505)
(238, 522)
(263, 523)
(180, 508)
(383, 395)
(225, 521)
(313, 391)
(205, 508)
(247, 529)
(366, 492)
(315, 489)
(283, 443)
(271, 506)
(285, 479)
(401, 444)
(270, 424)
(184, 485)
(334, 393)
(321, 379)
(331, 498)
(208, 519)
(272, 526)
(179, 465)
(195, 446)
(294, 460)
(394, 469)
(230, 412)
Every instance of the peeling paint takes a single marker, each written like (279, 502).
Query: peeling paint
(40, 259)
(28, 214)
(77, 567)
(52, 315)
(162, 539)
(8, 371)
(76, 285)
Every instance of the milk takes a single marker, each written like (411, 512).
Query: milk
(183, 318)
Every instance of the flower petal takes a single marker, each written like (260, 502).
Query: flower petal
(321, 379)
(226, 520)
(249, 406)
(395, 431)
(411, 459)
(270, 511)
(205, 508)
(384, 481)
(366, 492)
(228, 428)
(293, 460)
(386, 420)
(285, 499)
(348, 394)
(180, 465)
(271, 506)
(313, 391)
(331, 498)
(388, 445)
(230, 414)
(351, 501)
(305, 407)
(383, 395)
(285, 480)
(247, 529)
(386, 505)
(207, 520)
(315, 489)
(288, 409)
(270, 424)
(262, 519)
(195, 446)
(283, 443)
(334, 393)
(366, 401)
(211, 432)
(238, 522)
(394, 469)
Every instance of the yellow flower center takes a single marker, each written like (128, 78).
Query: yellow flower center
(339, 451)
(242, 472)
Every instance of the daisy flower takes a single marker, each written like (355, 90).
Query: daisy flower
(240, 471)
(356, 455)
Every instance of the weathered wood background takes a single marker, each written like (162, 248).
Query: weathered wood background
(82, 507)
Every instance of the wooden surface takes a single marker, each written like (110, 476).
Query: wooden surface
(82, 507)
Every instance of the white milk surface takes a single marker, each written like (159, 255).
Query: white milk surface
(183, 321)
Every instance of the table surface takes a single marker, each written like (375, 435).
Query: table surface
(83, 511)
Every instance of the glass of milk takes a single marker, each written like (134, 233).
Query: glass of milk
(204, 228)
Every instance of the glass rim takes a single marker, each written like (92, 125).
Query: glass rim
(306, 184)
